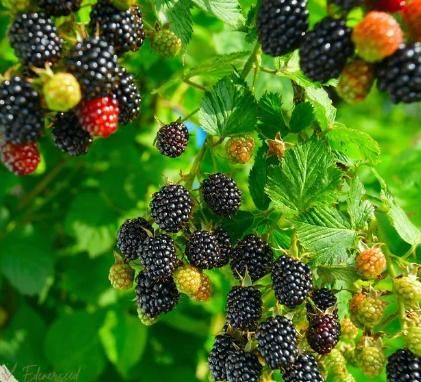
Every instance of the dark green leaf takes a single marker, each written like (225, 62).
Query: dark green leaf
(302, 117)
(258, 178)
(270, 117)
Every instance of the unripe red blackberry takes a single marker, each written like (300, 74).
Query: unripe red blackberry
(171, 207)
(253, 255)
(20, 159)
(131, 237)
(94, 64)
(305, 369)
(292, 281)
(243, 366)
(203, 251)
(244, 307)
(371, 263)
(69, 136)
(205, 290)
(403, 366)
(155, 298)
(413, 340)
(172, 139)
(370, 312)
(277, 342)
(128, 96)
(221, 194)
(323, 333)
(281, 25)
(35, 39)
(60, 7)
(371, 360)
(325, 50)
(166, 43)
(121, 276)
(240, 149)
(221, 349)
(122, 29)
(408, 290)
(158, 257)
(21, 117)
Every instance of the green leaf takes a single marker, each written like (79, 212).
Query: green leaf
(26, 260)
(338, 276)
(72, 345)
(124, 340)
(400, 221)
(302, 116)
(353, 143)
(307, 177)
(228, 11)
(258, 178)
(270, 117)
(324, 111)
(239, 224)
(360, 210)
(324, 232)
(228, 109)
(179, 17)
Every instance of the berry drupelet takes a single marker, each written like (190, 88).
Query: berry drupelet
(305, 369)
(172, 139)
(244, 307)
(253, 255)
(403, 366)
(131, 237)
(122, 29)
(325, 50)
(242, 366)
(128, 96)
(281, 25)
(94, 64)
(171, 207)
(35, 39)
(60, 7)
(69, 136)
(21, 117)
(221, 194)
(277, 342)
(292, 281)
(323, 333)
(222, 348)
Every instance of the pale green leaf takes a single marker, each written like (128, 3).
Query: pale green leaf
(228, 11)
(360, 210)
(324, 111)
(179, 17)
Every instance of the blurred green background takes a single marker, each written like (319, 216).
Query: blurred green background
(58, 227)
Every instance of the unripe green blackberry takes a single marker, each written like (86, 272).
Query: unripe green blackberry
(371, 360)
(158, 257)
(131, 236)
(62, 92)
(408, 290)
(403, 366)
(413, 340)
(348, 330)
(305, 369)
(171, 140)
(335, 363)
(253, 255)
(292, 281)
(121, 276)
(221, 349)
(244, 307)
(188, 279)
(221, 194)
(243, 366)
(171, 207)
(166, 43)
(277, 342)
(370, 312)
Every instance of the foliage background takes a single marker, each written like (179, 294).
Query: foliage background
(58, 227)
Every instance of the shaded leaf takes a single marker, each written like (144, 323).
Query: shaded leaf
(258, 178)
(228, 11)
(302, 116)
(270, 118)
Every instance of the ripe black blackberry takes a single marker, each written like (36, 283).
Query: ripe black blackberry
(203, 251)
(172, 139)
(254, 255)
(244, 307)
(131, 236)
(277, 342)
(94, 64)
(158, 257)
(69, 136)
(400, 74)
(325, 50)
(171, 207)
(222, 348)
(403, 366)
(225, 246)
(60, 7)
(221, 194)
(243, 366)
(305, 369)
(323, 299)
(154, 298)
(128, 96)
(122, 29)
(292, 281)
(281, 25)
(35, 39)
(21, 117)
(323, 333)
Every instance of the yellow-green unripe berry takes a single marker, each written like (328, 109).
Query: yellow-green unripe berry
(371, 360)
(166, 43)
(408, 290)
(121, 276)
(123, 5)
(62, 92)
(413, 340)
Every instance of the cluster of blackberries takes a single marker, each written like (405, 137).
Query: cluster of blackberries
(376, 48)
(91, 94)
